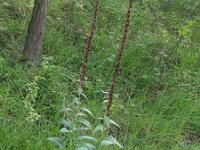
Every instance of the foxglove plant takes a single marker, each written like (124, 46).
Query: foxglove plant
(119, 60)
(79, 133)
(89, 44)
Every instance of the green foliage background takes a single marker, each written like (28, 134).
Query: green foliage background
(157, 101)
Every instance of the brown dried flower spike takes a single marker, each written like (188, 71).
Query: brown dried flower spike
(119, 60)
(89, 44)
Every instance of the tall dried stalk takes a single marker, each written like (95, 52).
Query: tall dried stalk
(89, 44)
(119, 60)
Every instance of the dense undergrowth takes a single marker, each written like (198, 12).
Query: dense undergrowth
(157, 100)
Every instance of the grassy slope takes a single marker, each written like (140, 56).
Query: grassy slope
(157, 99)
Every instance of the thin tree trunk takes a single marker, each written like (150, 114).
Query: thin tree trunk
(35, 33)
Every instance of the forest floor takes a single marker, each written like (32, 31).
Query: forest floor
(157, 100)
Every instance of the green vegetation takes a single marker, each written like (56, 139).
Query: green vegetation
(157, 99)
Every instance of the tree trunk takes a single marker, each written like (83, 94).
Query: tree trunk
(35, 33)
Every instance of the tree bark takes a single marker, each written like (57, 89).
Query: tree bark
(35, 33)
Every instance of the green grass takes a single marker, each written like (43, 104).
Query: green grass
(157, 100)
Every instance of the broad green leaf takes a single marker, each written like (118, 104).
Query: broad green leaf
(87, 146)
(65, 110)
(84, 96)
(98, 128)
(90, 146)
(114, 123)
(109, 121)
(87, 138)
(64, 130)
(66, 123)
(80, 91)
(110, 140)
(76, 101)
(105, 102)
(106, 121)
(106, 143)
(86, 123)
(57, 141)
(81, 114)
(81, 148)
(87, 110)
(82, 129)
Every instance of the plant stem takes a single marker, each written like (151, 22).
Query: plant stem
(119, 60)
(89, 44)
